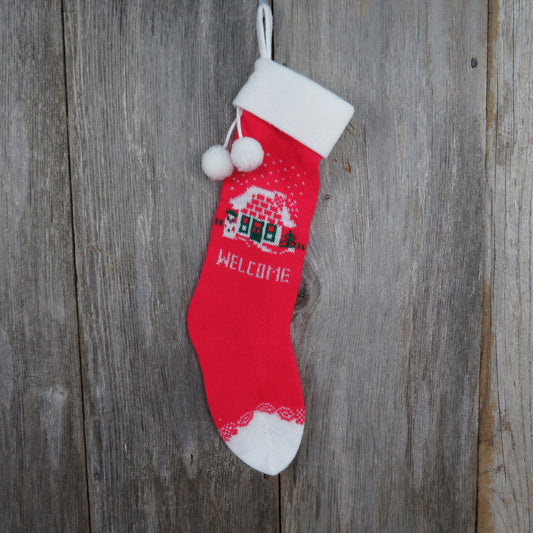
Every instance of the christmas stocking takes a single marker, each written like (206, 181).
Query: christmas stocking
(239, 317)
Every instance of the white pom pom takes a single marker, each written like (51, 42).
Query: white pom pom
(216, 163)
(246, 154)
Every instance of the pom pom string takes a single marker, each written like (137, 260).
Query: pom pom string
(236, 122)
(239, 115)
(229, 134)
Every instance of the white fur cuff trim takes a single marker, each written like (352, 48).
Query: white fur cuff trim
(296, 105)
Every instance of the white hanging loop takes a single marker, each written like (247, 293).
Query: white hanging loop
(264, 29)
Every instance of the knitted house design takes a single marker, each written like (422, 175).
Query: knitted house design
(261, 217)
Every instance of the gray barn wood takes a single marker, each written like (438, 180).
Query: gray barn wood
(416, 291)
(42, 456)
(506, 425)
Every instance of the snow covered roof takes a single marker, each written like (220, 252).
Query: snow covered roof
(270, 206)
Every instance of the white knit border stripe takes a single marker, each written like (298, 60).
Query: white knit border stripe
(296, 105)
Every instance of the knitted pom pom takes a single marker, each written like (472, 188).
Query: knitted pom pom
(216, 163)
(247, 154)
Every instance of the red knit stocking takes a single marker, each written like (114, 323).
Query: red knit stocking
(239, 318)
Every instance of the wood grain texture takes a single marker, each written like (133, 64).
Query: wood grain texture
(419, 260)
(150, 86)
(506, 425)
(389, 345)
(42, 462)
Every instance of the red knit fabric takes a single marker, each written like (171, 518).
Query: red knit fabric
(239, 317)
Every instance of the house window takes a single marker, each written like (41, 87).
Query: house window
(245, 224)
(270, 233)
(256, 233)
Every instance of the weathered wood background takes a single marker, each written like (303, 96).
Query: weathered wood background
(413, 327)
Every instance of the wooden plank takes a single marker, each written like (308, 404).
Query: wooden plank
(42, 459)
(388, 333)
(506, 425)
(150, 86)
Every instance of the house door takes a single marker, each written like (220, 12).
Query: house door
(256, 233)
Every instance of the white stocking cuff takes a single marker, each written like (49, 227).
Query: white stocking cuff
(295, 105)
